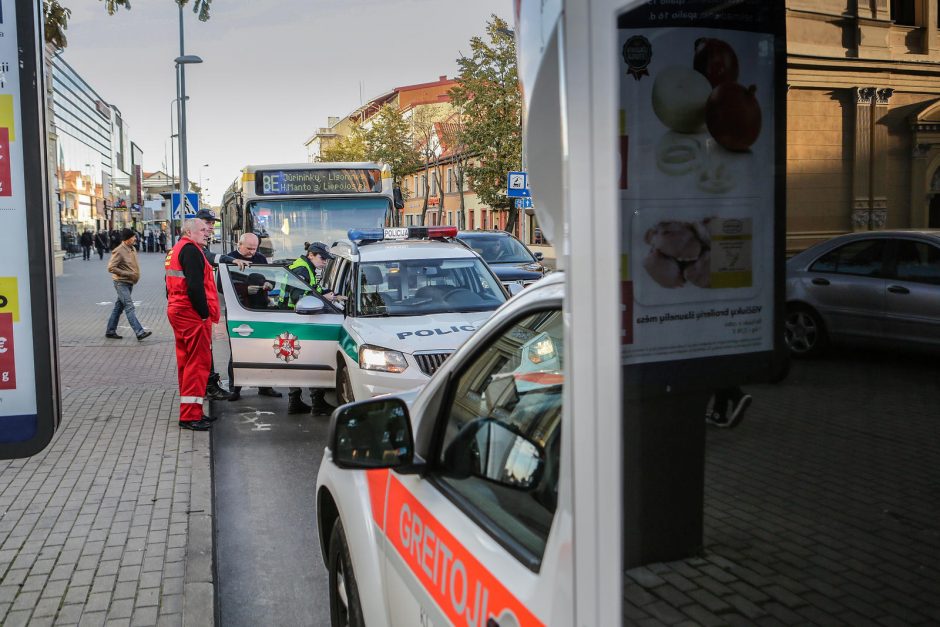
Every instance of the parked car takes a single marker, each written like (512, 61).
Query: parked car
(509, 258)
(879, 288)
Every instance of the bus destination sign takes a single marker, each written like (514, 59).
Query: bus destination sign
(317, 181)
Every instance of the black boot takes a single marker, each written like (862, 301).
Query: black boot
(296, 405)
(215, 392)
(320, 406)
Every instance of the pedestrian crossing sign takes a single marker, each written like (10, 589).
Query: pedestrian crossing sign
(190, 204)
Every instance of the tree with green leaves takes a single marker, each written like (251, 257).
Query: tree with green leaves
(389, 140)
(353, 147)
(487, 94)
(56, 16)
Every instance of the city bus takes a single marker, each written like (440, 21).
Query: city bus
(287, 205)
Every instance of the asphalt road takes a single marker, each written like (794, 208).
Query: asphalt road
(268, 565)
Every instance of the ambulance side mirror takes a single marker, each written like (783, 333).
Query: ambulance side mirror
(309, 305)
(372, 434)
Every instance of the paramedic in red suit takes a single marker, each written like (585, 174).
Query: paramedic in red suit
(192, 307)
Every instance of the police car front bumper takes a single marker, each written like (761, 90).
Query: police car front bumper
(376, 383)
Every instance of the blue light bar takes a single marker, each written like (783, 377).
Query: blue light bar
(358, 235)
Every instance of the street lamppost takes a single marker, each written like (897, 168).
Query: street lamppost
(181, 62)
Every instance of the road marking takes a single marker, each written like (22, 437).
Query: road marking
(254, 417)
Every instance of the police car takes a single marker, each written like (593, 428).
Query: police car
(441, 506)
(412, 297)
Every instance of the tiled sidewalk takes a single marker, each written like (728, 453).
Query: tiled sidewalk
(111, 524)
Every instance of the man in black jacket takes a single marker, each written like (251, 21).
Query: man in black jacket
(248, 251)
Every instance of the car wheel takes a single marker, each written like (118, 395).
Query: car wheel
(344, 392)
(345, 609)
(804, 332)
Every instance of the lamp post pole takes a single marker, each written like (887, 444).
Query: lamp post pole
(181, 62)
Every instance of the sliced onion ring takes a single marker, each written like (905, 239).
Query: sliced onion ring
(677, 155)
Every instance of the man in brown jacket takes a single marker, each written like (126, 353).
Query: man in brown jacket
(125, 271)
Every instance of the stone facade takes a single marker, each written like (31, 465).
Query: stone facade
(863, 117)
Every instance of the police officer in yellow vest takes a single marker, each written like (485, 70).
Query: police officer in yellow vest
(305, 267)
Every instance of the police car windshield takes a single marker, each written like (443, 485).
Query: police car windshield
(284, 225)
(496, 248)
(426, 286)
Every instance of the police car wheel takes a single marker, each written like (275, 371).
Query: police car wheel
(344, 393)
(345, 609)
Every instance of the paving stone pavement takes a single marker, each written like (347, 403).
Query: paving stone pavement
(111, 524)
(821, 508)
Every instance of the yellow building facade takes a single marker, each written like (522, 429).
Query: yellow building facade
(863, 117)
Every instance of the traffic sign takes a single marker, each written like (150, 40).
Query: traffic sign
(192, 205)
(517, 185)
(523, 203)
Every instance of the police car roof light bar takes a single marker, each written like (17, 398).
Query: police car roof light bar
(411, 232)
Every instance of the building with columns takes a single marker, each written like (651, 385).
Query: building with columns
(863, 117)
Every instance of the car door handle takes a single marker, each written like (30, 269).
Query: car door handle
(819, 281)
(243, 330)
(898, 289)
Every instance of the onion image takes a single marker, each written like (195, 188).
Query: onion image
(679, 97)
(733, 116)
(716, 61)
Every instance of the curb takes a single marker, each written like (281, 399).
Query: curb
(198, 581)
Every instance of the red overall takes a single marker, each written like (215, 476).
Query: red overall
(193, 334)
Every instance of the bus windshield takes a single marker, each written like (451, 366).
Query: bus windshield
(284, 225)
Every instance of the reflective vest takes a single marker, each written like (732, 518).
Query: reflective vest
(176, 288)
(301, 262)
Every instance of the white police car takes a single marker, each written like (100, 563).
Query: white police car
(412, 297)
(442, 506)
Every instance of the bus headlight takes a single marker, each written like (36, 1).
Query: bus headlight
(381, 359)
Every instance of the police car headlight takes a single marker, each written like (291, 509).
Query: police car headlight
(383, 360)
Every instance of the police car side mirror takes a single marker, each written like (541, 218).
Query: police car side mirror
(309, 305)
(514, 288)
(372, 434)
(539, 256)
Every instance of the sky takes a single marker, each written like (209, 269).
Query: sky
(273, 70)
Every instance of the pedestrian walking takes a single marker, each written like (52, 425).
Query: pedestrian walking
(247, 250)
(150, 242)
(86, 240)
(115, 239)
(162, 239)
(125, 272)
(101, 243)
(192, 308)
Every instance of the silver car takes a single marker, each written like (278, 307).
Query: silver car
(876, 288)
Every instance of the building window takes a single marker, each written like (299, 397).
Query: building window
(434, 184)
(416, 184)
(470, 215)
(450, 217)
(483, 219)
(902, 12)
(450, 180)
(424, 183)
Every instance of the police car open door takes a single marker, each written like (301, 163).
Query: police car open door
(274, 341)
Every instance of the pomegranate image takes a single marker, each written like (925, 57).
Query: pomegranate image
(716, 61)
(733, 116)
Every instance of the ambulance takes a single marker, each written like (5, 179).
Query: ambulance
(413, 295)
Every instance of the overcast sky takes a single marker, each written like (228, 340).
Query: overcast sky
(273, 70)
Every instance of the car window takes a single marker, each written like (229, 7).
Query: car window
(261, 287)
(499, 248)
(501, 442)
(917, 261)
(863, 258)
(426, 286)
